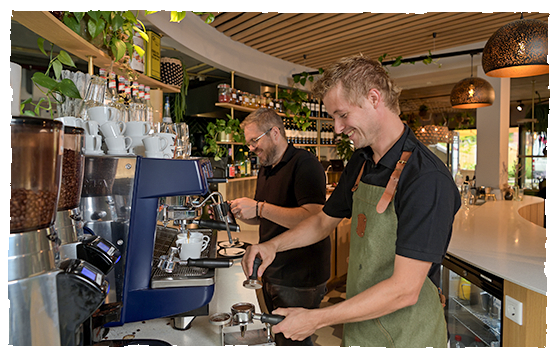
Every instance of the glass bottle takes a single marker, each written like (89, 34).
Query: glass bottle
(458, 342)
(148, 105)
(167, 111)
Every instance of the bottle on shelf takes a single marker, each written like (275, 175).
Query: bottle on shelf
(112, 95)
(167, 111)
(230, 170)
(458, 342)
(148, 105)
(477, 343)
(248, 170)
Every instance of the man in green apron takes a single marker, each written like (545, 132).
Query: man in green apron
(402, 201)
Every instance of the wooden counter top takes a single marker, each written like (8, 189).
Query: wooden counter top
(494, 237)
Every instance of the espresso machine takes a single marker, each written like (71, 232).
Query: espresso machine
(74, 243)
(125, 199)
(51, 300)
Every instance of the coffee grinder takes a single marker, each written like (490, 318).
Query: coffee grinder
(50, 304)
(121, 199)
(69, 223)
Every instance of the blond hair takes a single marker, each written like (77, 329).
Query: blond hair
(358, 74)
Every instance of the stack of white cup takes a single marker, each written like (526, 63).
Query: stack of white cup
(112, 128)
(92, 139)
(156, 145)
(137, 131)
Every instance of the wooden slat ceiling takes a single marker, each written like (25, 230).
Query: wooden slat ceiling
(318, 39)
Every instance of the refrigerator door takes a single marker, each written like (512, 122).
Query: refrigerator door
(474, 304)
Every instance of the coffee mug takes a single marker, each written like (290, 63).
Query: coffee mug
(170, 137)
(137, 128)
(154, 143)
(113, 128)
(193, 246)
(102, 114)
(91, 127)
(118, 143)
(92, 143)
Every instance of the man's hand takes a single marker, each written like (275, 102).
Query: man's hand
(267, 252)
(244, 208)
(298, 324)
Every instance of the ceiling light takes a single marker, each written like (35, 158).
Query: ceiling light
(520, 106)
(518, 49)
(472, 92)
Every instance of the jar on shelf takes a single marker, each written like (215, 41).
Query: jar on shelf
(224, 93)
(233, 99)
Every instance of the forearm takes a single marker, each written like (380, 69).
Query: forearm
(307, 232)
(287, 217)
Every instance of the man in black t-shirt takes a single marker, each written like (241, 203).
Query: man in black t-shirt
(291, 186)
(402, 201)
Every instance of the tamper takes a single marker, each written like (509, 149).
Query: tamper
(253, 282)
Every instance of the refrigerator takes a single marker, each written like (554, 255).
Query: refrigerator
(473, 307)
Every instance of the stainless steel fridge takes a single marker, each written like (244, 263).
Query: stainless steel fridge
(473, 304)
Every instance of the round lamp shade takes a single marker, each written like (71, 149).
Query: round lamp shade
(518, 49)
(472, 92)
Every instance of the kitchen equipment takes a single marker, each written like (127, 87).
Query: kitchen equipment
(253, 282)
(50, 304)
(68, 223)
(234, 326)
(478, 314)
(133, 202)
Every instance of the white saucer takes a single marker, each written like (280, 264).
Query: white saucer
(118, 153)
(93, 153)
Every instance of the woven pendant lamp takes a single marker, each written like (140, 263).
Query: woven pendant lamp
(518, 49)
(472, 92)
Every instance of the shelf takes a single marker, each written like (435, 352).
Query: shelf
(478, 323)
(44, 24)
(250, 109)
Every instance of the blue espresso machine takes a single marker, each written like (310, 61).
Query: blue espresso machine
(121, 200)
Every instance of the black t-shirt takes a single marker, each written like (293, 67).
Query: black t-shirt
(426, 199)
(298, 179)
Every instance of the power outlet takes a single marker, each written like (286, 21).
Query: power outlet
(514, 310)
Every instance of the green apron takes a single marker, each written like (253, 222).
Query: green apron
(371, 261)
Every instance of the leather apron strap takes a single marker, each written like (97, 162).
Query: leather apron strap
(391, 187)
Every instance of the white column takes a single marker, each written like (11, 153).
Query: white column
(492, 125)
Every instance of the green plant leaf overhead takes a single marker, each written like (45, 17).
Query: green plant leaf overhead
(41, 44)
(65, 58)
(68, 88)
(57, 68)
(43, 80)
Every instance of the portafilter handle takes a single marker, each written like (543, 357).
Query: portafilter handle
(269, 318)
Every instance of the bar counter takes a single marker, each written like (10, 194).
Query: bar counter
(228, 290)
(495, 237)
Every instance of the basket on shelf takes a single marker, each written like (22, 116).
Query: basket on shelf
(171, 71)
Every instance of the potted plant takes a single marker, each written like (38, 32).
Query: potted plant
(217, 131)
(56, 89)
(344, 147)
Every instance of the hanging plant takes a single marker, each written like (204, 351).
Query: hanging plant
(294, 98)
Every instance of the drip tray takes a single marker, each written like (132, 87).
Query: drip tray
(182, 275)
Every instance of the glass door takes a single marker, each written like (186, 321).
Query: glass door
(474, 305)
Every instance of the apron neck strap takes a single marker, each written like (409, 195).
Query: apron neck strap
(391, 187)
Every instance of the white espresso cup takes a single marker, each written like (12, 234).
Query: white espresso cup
(137, 128)
(118, 143)
(91, 127)
(92, 143)
(102, 114)
(68, 121)
(154, 143)
(193, 246)
(170, 137)
(113, 128)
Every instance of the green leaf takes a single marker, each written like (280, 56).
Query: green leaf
(96, 27)
(79, 15)
(65, 58)
(120, 49)
(117, 22)
(72, 23)
(398, 62)
(43, 80)
(321, 71)
(28, 113)
(150, 12)
(128, 15)
(310, 78)
(210, 18)
(106, 15)
(177, 16)
(95, 15)
(41, 44)
(57, 68)
(68, 88)
(297, 78)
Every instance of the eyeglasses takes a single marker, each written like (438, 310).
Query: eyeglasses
(254, 142)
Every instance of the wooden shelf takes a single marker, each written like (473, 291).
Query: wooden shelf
(250, 109)
(44, 24)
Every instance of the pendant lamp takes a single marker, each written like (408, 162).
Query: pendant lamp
(472, 92)
(518, 49)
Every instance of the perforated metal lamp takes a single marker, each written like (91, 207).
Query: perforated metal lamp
(472, 92)
(518, 49)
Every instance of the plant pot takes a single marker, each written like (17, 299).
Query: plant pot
(224, 137)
